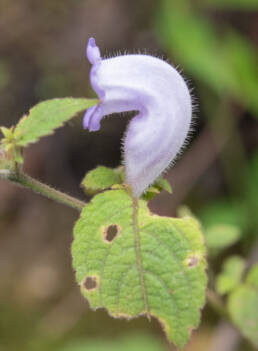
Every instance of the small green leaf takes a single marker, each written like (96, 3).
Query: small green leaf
(132, 262)
(184, 211)
(163, 184)
(243, 306)
(159, 185)
(151, 193)
(221, 236)
(9, 138)
(252, 276)
(153, 189)
(100, 178)
(7, 132)
(13, 153)
(45, 117)
(231, 274)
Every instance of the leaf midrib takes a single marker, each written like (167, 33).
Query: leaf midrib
(138, 255)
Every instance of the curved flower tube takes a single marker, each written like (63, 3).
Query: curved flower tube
(162, 100)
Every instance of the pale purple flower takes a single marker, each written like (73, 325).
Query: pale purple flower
(158, 92)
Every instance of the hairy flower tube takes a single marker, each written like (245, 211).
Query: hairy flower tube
(158, 93)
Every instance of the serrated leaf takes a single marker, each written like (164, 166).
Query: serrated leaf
(48, 115)
(101, 178)
(231, 274)
(243, 306)
(132, 262)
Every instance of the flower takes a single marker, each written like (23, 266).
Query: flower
(158, 93)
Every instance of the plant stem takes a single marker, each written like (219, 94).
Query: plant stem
(217, 304)
(25, 181)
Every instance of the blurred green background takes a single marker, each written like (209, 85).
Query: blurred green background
(42, 55)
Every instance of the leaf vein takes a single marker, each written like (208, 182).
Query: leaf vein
(96, 231)
(181, 268)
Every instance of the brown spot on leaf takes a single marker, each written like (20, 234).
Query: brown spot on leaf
(111, 232)
(192, 261)
(90, 283)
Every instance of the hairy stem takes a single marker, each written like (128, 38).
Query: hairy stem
(25, 181)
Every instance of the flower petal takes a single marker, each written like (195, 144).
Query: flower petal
(157, 91)
(93, 52)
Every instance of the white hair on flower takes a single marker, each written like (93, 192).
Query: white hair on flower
(156, 90)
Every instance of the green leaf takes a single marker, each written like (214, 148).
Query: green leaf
(11, 152)
(127, 343)
(163, 184)
(7, 132)
(251, 186)
(237, 49)
(231, 274)
(221, 236)
(223, 224)
(45, 117)
(214, 60)
(132, 262)
(101, 178)
(252, 276)
(151, 193)
(243, 306)
(225, 212)
(159, 185)
(200, 54)
(184, 211)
